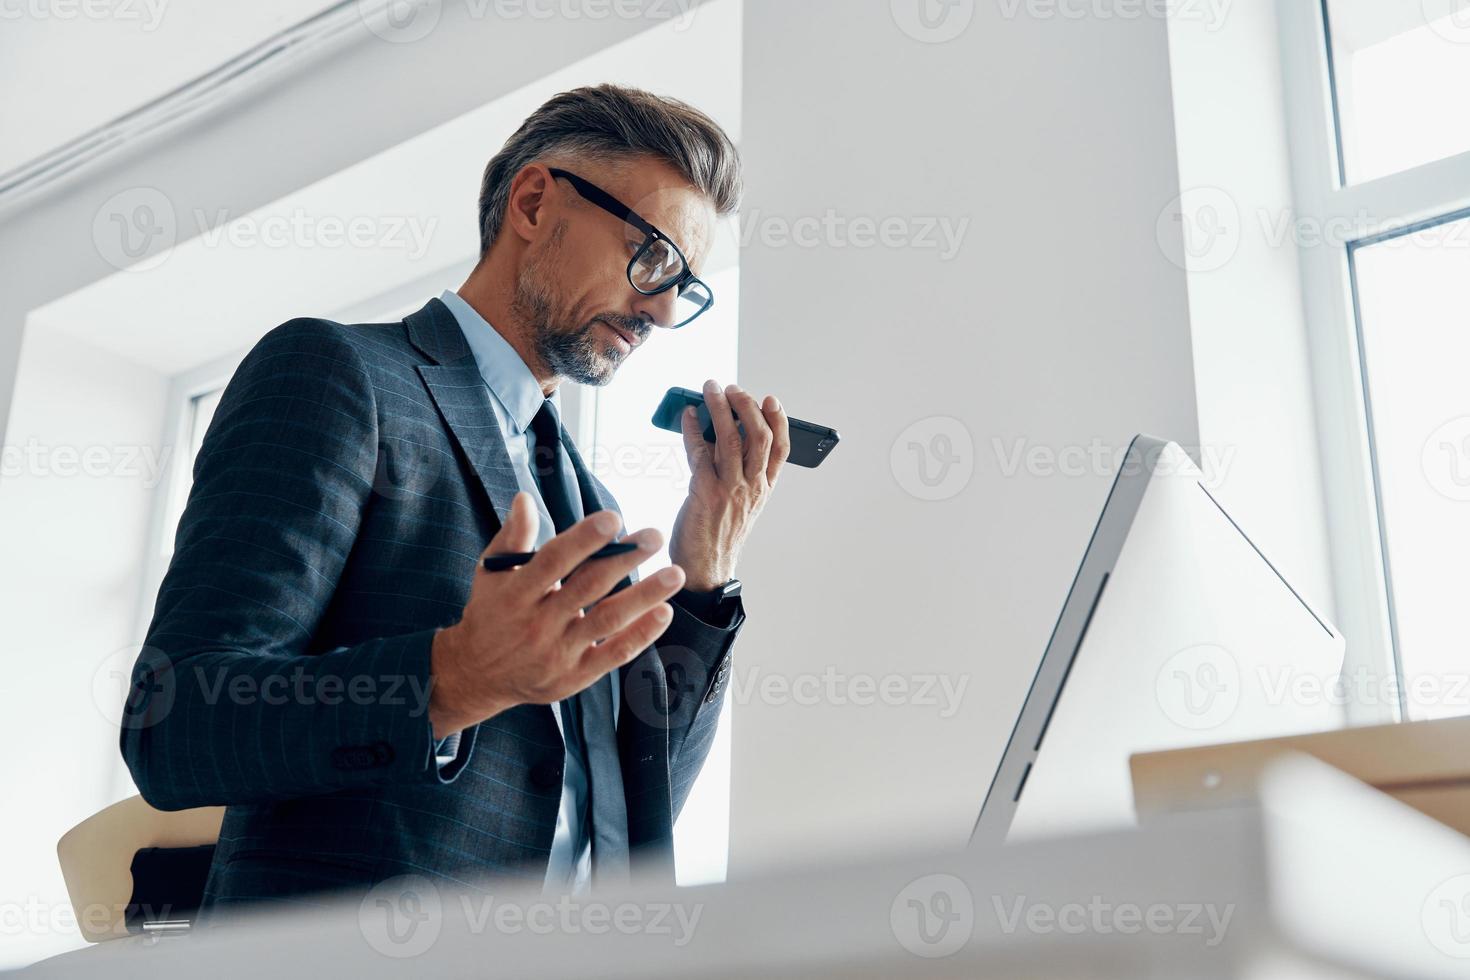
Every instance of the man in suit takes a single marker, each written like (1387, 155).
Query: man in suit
(329, 659)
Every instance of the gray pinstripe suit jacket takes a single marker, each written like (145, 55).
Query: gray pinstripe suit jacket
(346, 487)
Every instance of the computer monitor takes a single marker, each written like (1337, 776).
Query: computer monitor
(1177, 631)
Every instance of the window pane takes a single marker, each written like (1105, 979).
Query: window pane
(198, 414)
(1414, 296)
(1401, 68)
(646, 471)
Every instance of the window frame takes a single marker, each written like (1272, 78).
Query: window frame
(184, 391)
(1372, 211)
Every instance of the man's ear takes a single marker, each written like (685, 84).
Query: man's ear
(526, 210)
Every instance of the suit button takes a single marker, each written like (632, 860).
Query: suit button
(354, 757)
(546, 773)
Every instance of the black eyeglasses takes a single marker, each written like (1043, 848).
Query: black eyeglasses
(658, 265)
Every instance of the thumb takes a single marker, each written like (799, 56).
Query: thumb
(518, 533)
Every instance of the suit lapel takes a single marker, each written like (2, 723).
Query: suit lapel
(454, 382)
(459, 392)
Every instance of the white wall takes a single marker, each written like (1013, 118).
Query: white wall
(1059, 323)
(1251, 360)
(82, 458)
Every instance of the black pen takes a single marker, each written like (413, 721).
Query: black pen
(502, 563)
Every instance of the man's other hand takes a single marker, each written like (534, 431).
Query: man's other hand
(541, 632)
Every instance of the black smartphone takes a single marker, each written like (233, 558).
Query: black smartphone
(810, 443)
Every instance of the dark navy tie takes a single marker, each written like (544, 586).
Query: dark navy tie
(592, 722)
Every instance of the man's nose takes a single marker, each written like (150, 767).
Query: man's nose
(657, 309)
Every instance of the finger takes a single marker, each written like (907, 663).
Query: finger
(617, 612)
(728, 448)
(695, 447)
(757, 432)
(623, 646)
(780, 437)
(518, 533)
(563, 553)
(596, 579)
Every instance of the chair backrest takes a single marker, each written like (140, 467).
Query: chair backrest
(99, 857)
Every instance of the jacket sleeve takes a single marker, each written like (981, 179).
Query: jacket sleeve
(229, 702)
(696, 652)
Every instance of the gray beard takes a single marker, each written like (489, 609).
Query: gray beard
(575, 354)
(569, 351)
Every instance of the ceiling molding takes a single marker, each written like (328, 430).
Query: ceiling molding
(308, 40)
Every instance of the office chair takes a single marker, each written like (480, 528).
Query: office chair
(134, 870)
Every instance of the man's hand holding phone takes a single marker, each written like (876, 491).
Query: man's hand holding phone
(731, 481)
(524, 637)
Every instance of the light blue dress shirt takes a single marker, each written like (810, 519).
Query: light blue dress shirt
(516, 397)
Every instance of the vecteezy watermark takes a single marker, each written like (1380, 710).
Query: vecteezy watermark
(1200, 230)
(147, 14)
(1199, 687)
(941, 234)
(1445, 459)
(133, 687)
(406, 21)
(932, 21)
(933, 916)
(400, 21)
(137, 687)
(404, 916)
(135, 228)
(934, 458)
(1423, 693)
(844, 688)
(671, 693)
(409, 464)
(1446, 917)
(1100, 917)
(33, 916)
(1211, 13)
(146, 464)
(663, 460)
(1203, 228)
(303, 229)
(1280, 228)
(301, 685)
(1099, 458)
(1452, 24)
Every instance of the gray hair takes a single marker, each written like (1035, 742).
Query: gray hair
(617, 123)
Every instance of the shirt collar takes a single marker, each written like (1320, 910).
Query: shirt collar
(506, 375)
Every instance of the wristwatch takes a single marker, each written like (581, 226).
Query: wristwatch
(729, 598)
(714, 607)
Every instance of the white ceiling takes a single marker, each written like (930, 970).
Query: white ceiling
(212, 296)
(65, 73)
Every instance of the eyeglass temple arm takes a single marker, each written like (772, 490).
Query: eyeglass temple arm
(606, 201)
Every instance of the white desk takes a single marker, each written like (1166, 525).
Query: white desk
(1327, 880)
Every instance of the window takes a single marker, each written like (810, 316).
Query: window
(197, 415)
(1400, 71)
(1381, 156)
(1414, 313)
